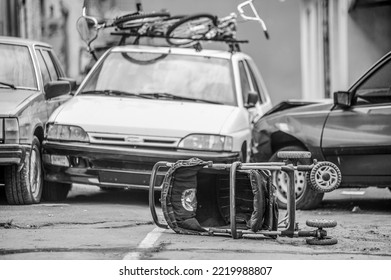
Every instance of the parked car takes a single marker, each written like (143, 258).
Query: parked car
(143, 104)
(32, 85)
(354, 132)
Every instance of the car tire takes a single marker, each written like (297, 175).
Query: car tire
(243, 154)
(306, 197)
(25, 186)
(55, 191)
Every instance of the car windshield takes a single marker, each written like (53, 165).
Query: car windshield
(164, 76)
(17, 70)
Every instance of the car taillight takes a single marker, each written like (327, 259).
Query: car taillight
(11, 131)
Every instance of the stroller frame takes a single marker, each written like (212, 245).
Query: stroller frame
(291, 228)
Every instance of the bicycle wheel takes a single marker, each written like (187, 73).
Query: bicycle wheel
(135, 21)
(190, 29)
(160, 28)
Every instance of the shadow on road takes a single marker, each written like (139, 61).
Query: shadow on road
(110, 196)
(375, 205)
(358, 200)
(94, 195)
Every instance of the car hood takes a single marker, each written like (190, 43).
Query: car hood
(297, 114)
(142, 116)
(12, 100)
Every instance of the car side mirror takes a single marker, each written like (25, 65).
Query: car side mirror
(72, 83)
(252, 99)
(343, 98)
(57, 88)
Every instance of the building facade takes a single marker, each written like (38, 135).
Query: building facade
(316, 46)
(340, 39)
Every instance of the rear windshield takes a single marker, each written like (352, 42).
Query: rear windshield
(17, 67)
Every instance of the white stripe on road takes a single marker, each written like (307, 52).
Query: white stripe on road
(147, 243)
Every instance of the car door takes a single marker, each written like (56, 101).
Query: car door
(51, 70)
(358, 138)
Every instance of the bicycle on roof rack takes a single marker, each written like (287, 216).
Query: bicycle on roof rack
(207, 27)
(182, 31)
(137, 23)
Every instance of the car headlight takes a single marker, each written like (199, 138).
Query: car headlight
(207, 142)
(66, 133)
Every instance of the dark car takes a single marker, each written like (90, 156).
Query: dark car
(354, 132)
(32, 85)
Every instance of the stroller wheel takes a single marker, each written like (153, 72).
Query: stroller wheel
(325, 177)
(321, 223)
(327, 240)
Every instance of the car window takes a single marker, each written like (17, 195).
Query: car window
(44, 70)
(57, 63)
(188, 76)
(255, 83)
(244, 81)
(17, 66)
(376, 88)
(49, 63)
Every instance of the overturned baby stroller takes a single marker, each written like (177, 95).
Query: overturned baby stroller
(238, 199)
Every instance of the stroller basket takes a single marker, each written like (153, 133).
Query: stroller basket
(238, 199)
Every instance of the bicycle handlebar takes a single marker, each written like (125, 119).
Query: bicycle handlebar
(256, 17)
(97, 25)
(84, 14)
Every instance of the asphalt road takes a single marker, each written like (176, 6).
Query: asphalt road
(96, 225)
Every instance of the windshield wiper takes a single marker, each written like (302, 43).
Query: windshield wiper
(8, 85)
(158, 95)
(113, 92)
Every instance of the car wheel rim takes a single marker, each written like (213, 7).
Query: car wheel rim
(35, 171)
(281, 181)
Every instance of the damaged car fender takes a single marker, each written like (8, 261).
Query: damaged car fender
(301, 126)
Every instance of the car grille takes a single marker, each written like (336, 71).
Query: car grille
(133, 140)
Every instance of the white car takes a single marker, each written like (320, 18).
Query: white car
(142, 104)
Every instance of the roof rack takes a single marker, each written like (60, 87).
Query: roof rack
(233, 44)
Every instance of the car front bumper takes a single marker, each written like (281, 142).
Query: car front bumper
(11, 154)
(108, 166)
